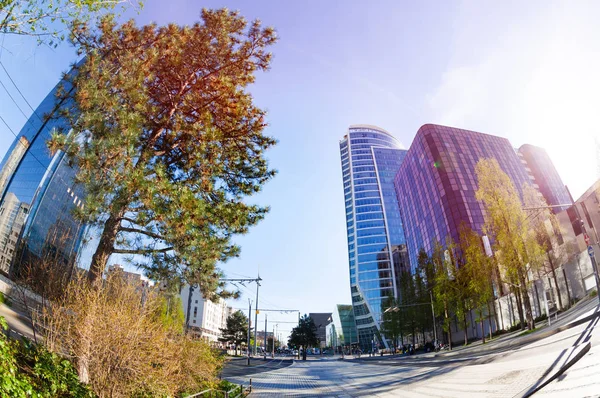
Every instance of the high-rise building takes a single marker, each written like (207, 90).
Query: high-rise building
(341, 332)
(544, 176)
(436, 183)
(204, 318)
(371, 158)
(42, 226)
(321, 320)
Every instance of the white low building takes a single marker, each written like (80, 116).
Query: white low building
(205, 318)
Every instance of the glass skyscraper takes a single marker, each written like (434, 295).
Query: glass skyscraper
(37, 197)
(436, 183)
(371, 157)
(341, 332)
(544, 176)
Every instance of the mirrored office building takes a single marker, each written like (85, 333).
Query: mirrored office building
(37, 198)
(371, 158)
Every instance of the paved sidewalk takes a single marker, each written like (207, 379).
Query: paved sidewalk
(504, 374)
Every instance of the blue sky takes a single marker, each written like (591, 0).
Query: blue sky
(527, 71)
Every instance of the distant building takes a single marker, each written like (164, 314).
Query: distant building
(133, 278)
(12, 161)
(321, 320)
(544, 176)
(341, 332)
(12, 217)
(204, 318)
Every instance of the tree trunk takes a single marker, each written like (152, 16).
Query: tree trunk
(490, 317)
(526, 301)
(560, 306)
(449, 325)
(520, 308)
(482, 328)
(567, 287)
(465, 326)
(106, 246)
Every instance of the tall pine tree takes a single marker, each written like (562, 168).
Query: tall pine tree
(169, 141)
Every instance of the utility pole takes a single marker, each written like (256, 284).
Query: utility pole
(274, 331)
(265, 337)
(256, 313)
(249, 325)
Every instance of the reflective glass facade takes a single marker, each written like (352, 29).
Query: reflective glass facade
(544, 175)
(371, 158)
(341, 332)
(436, 183)
(37, 196)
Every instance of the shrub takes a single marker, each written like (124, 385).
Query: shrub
(123, 346)
(28, 370)
(5, 300)
(593, 293)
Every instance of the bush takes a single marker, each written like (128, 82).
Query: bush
(499, 332)
(28, 370)
(122, 343)
(593, 293)
(514, 328)
(5, 300)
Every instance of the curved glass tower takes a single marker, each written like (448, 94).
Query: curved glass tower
(371, 157)
(37, 197)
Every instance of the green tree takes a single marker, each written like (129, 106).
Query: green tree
(507, 225)
(548, 236)
(477, 272)
(236, 330)
(169, 141)
(304, 335)
(47, 20)
(443, 289)
(391, 319)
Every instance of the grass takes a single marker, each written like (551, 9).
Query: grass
(525, 333)
(5, 300)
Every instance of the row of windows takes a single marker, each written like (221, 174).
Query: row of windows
(368, 208)
(372, 201)
(364, 181)
(371, 248)
(370, 194)
(371, 232)
(365, 174)
(369, 216)
(364, 321)
(370, 187)
(360, 310)
(372, 240)
(370, 224)
(381, 256)
(379, 274)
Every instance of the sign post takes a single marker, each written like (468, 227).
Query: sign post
(590, 251)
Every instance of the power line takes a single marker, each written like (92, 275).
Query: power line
(17, 87)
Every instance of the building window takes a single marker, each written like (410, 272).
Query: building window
(195, 312)
(196, 302)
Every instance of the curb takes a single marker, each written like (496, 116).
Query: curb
(560, 371)
(542, 334)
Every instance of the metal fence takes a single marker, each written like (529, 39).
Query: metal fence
(235, 392)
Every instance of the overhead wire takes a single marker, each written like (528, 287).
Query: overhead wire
(19, 91)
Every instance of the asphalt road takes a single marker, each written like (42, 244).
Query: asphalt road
(508, 367)
(237, 367)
